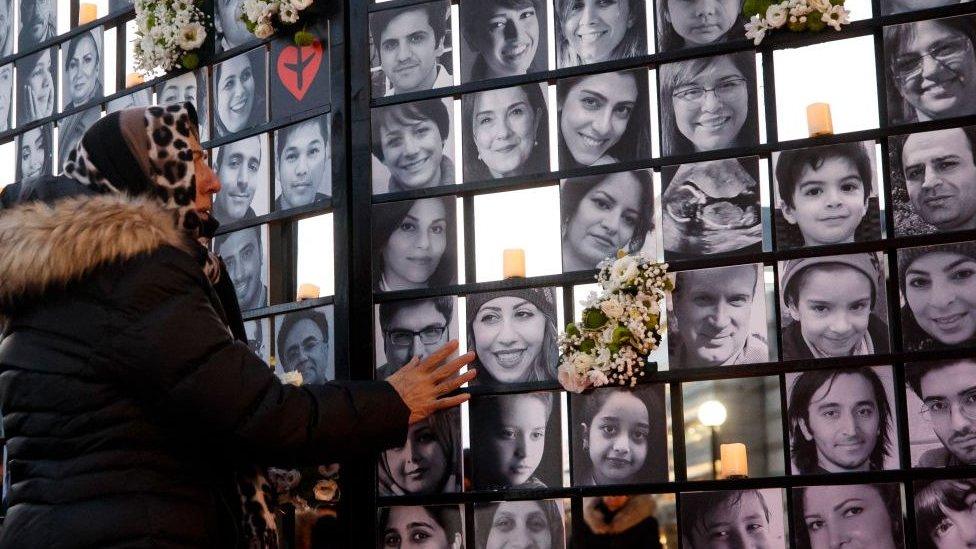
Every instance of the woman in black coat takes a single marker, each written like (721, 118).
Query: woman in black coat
(130, 407)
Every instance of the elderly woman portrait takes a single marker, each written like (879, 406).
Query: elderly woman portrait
(515, 441)
(36, 90)
(931, 69)
(239, 94)
(507, 524)
(412, 143)
(717, 317)
(944, 513)
(711, 208)
(304, 163)
(687, 24)
(428, 526)
(513, 334)
(505, 132)
(733, 518)
(83, 68)
(242, 167)
(709, 103)
(502, 38)
(181, 398)
(6, 96)
(71, 128)
(938, 294)
(593, 31)
(190, 87)
(38, 22)
(603, 119)
(602, 214)
(414, 244)
(852, 515)
(428, 463)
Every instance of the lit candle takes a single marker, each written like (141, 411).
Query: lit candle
(818, 119)
(308, 291)
(514, 263)
(133, 79)
(87, 13)
(734, 461)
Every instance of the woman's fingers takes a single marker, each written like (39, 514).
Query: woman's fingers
(454, 383)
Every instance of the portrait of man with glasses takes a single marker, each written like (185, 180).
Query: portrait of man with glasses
(414, 328)
(931, 68)
(947, 391)
(303, 345)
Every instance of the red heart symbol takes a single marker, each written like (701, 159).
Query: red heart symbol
(298, 67)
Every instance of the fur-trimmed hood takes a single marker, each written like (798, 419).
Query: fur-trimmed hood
(637, 509)
(44, 247)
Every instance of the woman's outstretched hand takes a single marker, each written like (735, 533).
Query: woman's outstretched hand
(422, 383)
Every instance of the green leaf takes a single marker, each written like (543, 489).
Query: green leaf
(572, 330)
(814, 24)
(304, 38)
(587, 345)
(594, 319)
(620, 335)
(190, 60)
(756, 7)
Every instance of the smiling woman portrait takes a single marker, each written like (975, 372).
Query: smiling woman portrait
(505, 132)
(502, 38)
(938, 288)
(593, 31)
(691, 23)
(414, 244)
(239, 92)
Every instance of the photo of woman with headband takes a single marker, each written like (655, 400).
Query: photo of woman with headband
(429, 462)
(709, 103)
(509, 524)
(603, 118)
(505, 132)
(36, 86)
(687, 24)
(239, 92)
(412, 146)
(83, 68)
(415, 244)
(938, 294)
(594, 31)
(502, 38)
(602, 214)
(428, 526)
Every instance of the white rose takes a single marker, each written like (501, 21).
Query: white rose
(776, 15)
(612, 308)
(572, 382)
(263, 30)
(301, 4)
(192, 36)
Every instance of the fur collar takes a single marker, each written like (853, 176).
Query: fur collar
(638, 508)
(43, 247)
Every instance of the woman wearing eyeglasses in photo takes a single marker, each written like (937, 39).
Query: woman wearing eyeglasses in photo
(931, 69)
(507, 37)
(593, 31)
(709, 104)
(505, 132)
(603, 119)
(938, 285)
(415, 244)
(430, 460)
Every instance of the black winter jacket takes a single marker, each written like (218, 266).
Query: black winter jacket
(126, 400)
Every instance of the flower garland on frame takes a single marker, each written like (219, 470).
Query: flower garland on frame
(795, 15)
(168, 34)
(620, 327)
(260, 17)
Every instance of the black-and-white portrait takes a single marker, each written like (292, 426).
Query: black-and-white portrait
(140, 98)
(682, 24)
(6, 28)
(944, 517)
(244, 252)
(440, 526)
(505, 132)
(602, 214)
(37, 92)
(502, 38)
(619, 436)
(192, 87)
(516, 441)
(709, 103)
(430, 460)
(938, 296)
(933, 181)
(862, 515)
(513, 332)
(243, 168)
(527, 523)
(594, 31)
(303, 344)
(412, 328)
(733, 518)
(83, 65)
(229, 24)
(717, 317)
(239, 92)
(900, 6)
(35, 154)
(412, 145)
(711, 208)
(71, 129)
(303, 167)
(833, 306)
(415, 244)
(299, 75)
(411, 48)
(826, 195)
(6, 96)
(115, 6)
(259, 337)
(931, 69)
(941, 401)
(38, 22)
(842, 420)
(603, 118)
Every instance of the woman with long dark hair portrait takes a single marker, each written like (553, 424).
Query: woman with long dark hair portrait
(593, 31)
(864, 515)
(411, 140)
(507, 38)
(686, 24)
(602, 214)
(36, 91)
(944, 513)
(938, 287)
(239, 92)
(428, 526)
(709, 103)
(34, 155)
(505, 132)
(83, 70)
(429, 462)
(507, 524)
(414, 244)
(603, 118)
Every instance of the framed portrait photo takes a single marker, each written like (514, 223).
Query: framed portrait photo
(411, 48)
(441, 525)
(191, 87)
(415, 244)
(244, 170)
(941, 517)
(259, 337)
(682, 25)
(876, 519)
(303, 164)
(7, 34)
(37, 91)
(502, 38)
(6, 96)
(901, 6)
(299, 75)
(71, 129)
(412, 328)
(35, 154)
(705, 515)
(83, 65)
(430, 460)
(140, 98)
(245, 252)
(710, 208)
(38, 22)
(412, 145)
(240, 92)
(940, 397)
(492, 523)
(304, 345)
(230, 27)
(938, 296)
(593, 32)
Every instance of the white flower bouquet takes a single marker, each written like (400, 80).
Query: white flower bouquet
(261, 16)
(620, 326)
(168, 34)
(795, 15)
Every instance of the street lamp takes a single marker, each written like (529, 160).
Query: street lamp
(712, 414)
